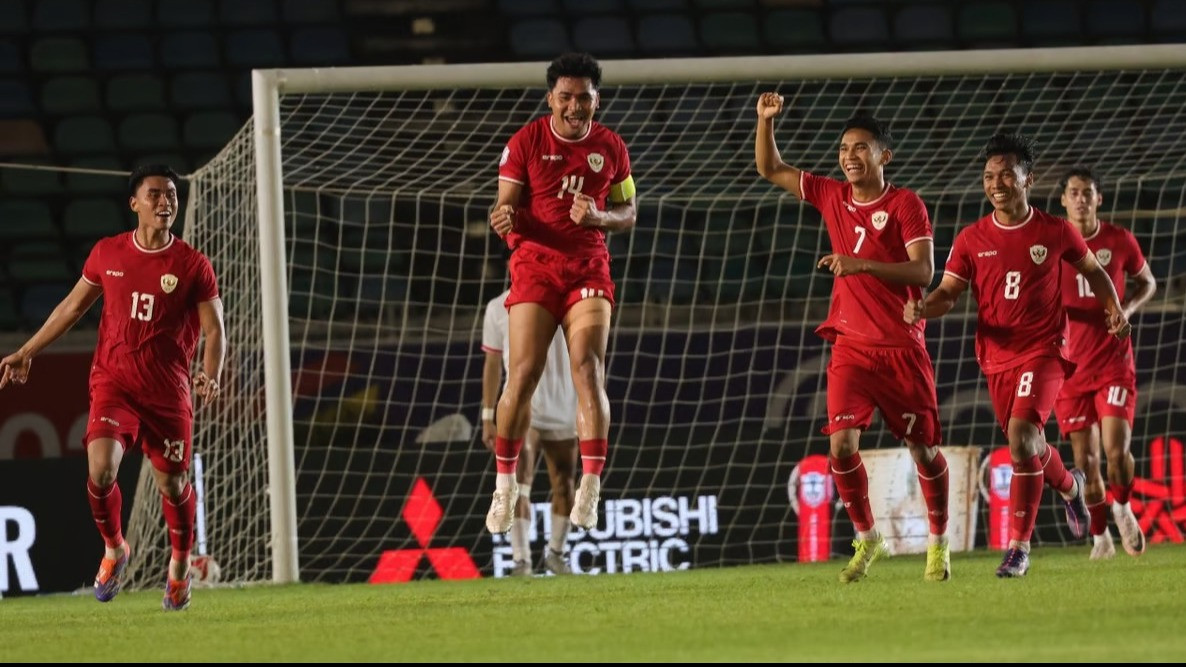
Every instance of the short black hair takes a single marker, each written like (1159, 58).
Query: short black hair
(145, 170)
(1017, 145)
(1080, 172)
(878, 128)
(575, 65)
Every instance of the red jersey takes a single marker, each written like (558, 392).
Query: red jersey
(551, 170)
(1016, 276)
(148, 330)
(1095, 351)
(867, 310)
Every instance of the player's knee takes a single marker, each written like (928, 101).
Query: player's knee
(103, 476)
(173, 487)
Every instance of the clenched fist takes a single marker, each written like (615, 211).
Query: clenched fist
(769, 105)
(912, 311)
(502, 219)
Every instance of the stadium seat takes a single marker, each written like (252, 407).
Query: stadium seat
(185, 13)
(12, 57)
(120, 52)
(135, 92)
(71, 95)
(191, 91)
(319, 47)
(795, 31)
(61, 16)
(924, 26)
(39, 300)
(730, 33)
(25, 219)
(987, 24)
(310, 11)
(38, 262)
(29, 182)
(59, 54)
(594, 7)
(14, 17)
(123, 14)
(146, 132)
(666, 34)
(861, 28)
(77, 135)
(645, 6)
(91, 219)
(79, 183)
(254, 49)
(190, 50)
(1167, 20)
(520, 8)
(711, 5)
(210, 129)
(16, 100)
(1048, 22)
(248, 12)
(609, 35)
(1116, 21)
(10, 319)
(539, 37)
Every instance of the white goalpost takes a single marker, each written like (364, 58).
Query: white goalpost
(347, 225)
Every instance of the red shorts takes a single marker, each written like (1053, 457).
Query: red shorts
(1078, 408)
(557, 281)
(898, 381)
(1027, 391)
(165, 435)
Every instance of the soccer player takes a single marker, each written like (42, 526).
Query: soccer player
(158, 292)
(882, 255)
(1099, 400)
(553, 430)
(1013, 260)
(564, 181)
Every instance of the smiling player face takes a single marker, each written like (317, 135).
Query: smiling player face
(155, 203)
(573, 102)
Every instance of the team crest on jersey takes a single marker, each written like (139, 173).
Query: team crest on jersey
(1038, 253)
(880, 219)
(1104, 256)
(596, 162)
(168, 283)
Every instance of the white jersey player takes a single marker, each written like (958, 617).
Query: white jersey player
(553, 429)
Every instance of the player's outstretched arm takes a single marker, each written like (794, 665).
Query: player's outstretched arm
(502, 217)
(938, 303)
(766, 156)
(207, 381)
(1146, 287)
(1105, 292)
(15, 367)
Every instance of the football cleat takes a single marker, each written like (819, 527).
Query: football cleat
(584, 506)
(111, 572)
(501, 516)
(1132, 538)
(177, 593)
(1015, 564)
(1078, 517)
(867, 553)
(938, 561)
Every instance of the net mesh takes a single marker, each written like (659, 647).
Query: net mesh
(714, 373)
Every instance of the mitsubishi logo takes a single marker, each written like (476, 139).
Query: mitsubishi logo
(423, 515)
(1162, 509)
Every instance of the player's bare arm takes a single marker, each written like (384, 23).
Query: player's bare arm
(918, 270)
(938, 303)
(491, 381)
(766, 156)
(207, 380)
(15, 367)
(1145, 288)
(502, 218)
(617, 217)
(1105, 292)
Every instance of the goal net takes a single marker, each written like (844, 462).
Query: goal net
(715, 377)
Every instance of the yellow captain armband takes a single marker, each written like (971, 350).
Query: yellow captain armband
(623, 191)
